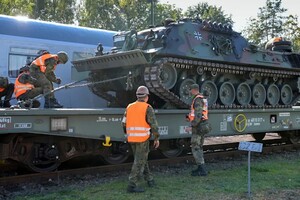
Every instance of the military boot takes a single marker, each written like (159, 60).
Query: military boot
(151, 183)
(200, 171)
(134, 189)
(52, 103)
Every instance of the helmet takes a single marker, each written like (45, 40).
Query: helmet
(62, 57)
(24, 68)
(142, 91)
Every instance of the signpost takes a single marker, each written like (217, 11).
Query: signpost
(250, 146)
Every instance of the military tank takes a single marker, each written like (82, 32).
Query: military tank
(233, 73)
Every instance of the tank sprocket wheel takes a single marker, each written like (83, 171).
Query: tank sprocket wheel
(210, 89)
(286, 94)
(273, 94)
(243, 94)
(227, 93)
(259, 94)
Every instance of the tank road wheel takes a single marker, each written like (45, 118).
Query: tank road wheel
(210, 89)
(116, 154)
(168, 76)
(258, 136)
(227, 93)
(273, 95)
(43, 158)
(259, 94)
(243, 94)
(184, 90)
(286, 94)
(171, 148)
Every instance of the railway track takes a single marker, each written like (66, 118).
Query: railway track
(212, 153)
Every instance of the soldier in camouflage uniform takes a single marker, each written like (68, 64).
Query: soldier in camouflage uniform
(6, 91)
(42, 69)
(138, 121)
(25, 90)
(197, 117)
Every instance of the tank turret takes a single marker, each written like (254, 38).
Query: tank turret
(170, 58)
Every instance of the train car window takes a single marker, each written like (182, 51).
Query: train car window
(75, 75)
(18, 57)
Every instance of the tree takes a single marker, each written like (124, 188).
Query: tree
(47, 10)
(16, 7)
(271, 23)
(208, 12)
(123, 14)
(55, 10)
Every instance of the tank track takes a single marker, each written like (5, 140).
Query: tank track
(153, 81)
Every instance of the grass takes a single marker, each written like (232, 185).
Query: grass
(267, 176)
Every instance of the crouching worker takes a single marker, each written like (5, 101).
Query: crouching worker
(6, 91)
(198, 117)
(138, 122)
(42, 69)
(25, 90)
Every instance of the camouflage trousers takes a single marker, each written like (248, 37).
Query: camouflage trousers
(42, 82)
(140, 167)
(30, 94)
(197, 141)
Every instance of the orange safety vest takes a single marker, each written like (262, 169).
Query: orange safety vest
(40, 61)
(21, 88)
(137, 128)
(2, 89)
(204, 110)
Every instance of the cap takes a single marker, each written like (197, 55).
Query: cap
(194, 86)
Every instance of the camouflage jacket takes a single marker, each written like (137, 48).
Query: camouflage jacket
(150, 119)
(49, 73)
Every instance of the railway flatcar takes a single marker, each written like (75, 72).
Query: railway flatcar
(42, 139)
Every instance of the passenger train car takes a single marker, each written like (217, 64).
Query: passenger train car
(22, 38)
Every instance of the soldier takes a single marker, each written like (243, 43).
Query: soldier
(24, 88)
(198, 117)
(6, 89)
(138, 122)
(42, 69)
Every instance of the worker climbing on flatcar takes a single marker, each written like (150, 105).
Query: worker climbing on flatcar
(6, 91)
(24, 88)
(198, 117)
(139, 122)
(42, 69)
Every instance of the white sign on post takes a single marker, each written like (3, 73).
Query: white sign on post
(250, 146)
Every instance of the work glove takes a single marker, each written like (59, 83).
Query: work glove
(58, 81)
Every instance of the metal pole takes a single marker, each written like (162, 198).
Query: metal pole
(249, 181)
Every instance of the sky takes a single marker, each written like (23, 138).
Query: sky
(241, 10)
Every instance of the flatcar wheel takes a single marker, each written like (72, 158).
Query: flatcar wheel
(171, 148)
(210, 89)
(243, 94)
(295, 138)
(168, 76)
(43, 162)
(273, 94)
(116, 154)
(286, 94)
(184, 90)
(227, 93)
(259, 94)
(258, 136)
